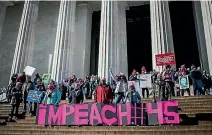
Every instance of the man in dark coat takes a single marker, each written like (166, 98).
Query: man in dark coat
(16, 99)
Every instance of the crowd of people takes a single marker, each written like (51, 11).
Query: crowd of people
(77, 90)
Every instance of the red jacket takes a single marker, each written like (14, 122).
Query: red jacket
(103, 94)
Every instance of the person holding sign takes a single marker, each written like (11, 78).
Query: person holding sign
(132, 96)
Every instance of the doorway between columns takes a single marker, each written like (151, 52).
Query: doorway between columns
(184, 34)
(139, 38)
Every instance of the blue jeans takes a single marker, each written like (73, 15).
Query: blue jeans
(119, 97)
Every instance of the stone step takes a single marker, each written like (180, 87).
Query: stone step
(106, 128)
(119, 132)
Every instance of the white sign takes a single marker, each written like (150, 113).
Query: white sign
(145, 81)
(136, 84)
(29, 70)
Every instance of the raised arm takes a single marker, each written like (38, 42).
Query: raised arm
(112, 76)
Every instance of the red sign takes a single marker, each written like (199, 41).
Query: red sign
(165, 59)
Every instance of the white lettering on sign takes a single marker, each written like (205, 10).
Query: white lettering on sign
(165, 59)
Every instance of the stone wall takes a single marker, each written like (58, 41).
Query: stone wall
(45, 34)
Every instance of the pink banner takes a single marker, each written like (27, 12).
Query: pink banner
(165, 112)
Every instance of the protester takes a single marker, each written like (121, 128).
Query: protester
(21, 77)
(132, 96)
(103, 93)
(196, 80)
(121, 86)
(52, 96)
(37, 77)
(11, 86)
(77, 95)
(207, 83)
(16, 99)
(64, 89)
(27, 86)
(143, 71)
(133, 76)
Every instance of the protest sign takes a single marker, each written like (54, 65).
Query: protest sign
(46, 78)
(108, 114)
(165, 59)
(34, 96)
(184, 82)
(145, 81)
(29, 70)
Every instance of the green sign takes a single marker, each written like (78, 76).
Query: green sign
(46, 78)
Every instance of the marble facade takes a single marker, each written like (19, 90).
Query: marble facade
(68, 38)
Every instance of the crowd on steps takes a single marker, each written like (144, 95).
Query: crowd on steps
(118, 90)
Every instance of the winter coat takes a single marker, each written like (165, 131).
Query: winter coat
(16, 96)
(26, 87)
(103, 94)
(76, 96)
(132, 96)
(52, 97)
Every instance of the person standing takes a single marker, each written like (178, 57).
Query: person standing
(143, 71)
(52, 96)
(121, 86)
(132, 96)
(16, 99)
(103, 93)
(27, 86)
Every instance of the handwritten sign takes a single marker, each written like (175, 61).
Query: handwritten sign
(145, 81)
(46, 78)
(29, 70)
(34, 96)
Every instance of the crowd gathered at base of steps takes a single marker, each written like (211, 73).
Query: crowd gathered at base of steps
(77, 90)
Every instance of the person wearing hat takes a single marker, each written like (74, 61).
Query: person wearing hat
(52, 96)
(143, 71)
(16, 99)
(103, 93)
(132, 96)
(121, 87)
(10, 86)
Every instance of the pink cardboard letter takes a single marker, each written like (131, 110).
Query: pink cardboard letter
(79, 114)
(104, 118)
(173, 114)
(65, 113)
(94, 115)
(55, 117)
(41, 118)
(157, 111)
(121, 114)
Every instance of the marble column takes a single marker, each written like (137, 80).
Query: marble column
(25, 41)
(122, 48)
(161, 31)
(108, 39)
(82, 48)
(201, 41)
(65, 38)
(206, 7)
